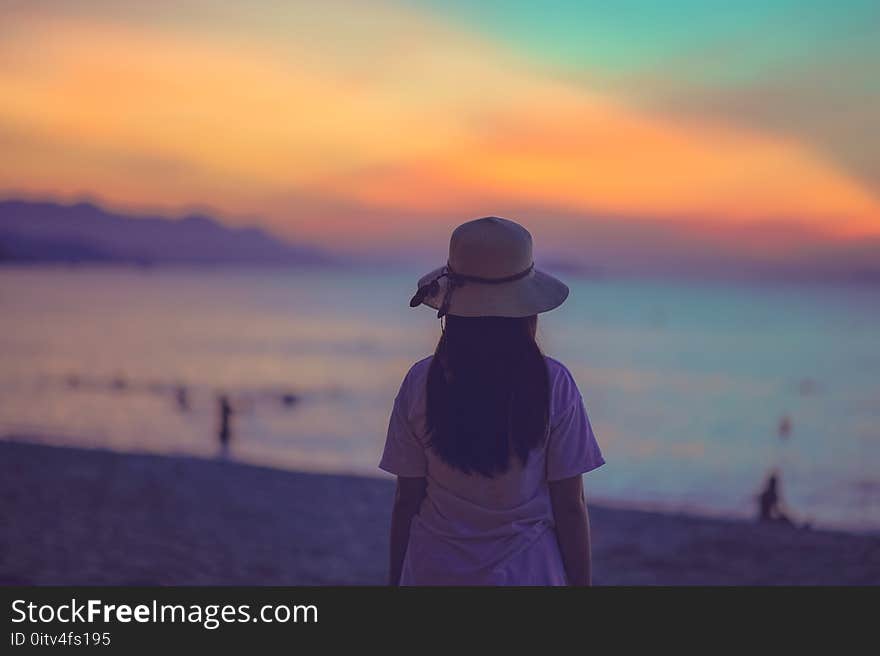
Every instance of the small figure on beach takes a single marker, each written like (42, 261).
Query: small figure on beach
(225, 433)
(785, 427)
(181, 394)
(770, 503)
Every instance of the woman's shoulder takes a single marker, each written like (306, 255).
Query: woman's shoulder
(563, 388)
(415, 380)
(557, 370)
(419, 369)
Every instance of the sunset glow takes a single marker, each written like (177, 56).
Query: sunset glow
(318, 121)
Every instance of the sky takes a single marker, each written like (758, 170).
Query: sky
(635, 133)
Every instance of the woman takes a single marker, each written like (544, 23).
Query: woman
(488, 437)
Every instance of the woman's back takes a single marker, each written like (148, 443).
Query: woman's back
(474, 524)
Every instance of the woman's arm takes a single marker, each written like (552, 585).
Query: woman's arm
(572, 528)
(407, 501)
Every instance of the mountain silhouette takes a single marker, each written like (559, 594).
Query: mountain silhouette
(83, 232)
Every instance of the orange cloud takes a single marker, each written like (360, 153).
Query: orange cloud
(596, 157)
(409, 118)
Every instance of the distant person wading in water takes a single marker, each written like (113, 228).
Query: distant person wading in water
(225, 432)
(488, 437)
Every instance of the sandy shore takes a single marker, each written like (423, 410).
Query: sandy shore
(72, 516)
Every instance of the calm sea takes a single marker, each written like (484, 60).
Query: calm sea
(686, 383)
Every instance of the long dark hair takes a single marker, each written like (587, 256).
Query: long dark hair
(488, 393)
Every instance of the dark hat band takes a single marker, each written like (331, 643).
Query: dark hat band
(458, 280)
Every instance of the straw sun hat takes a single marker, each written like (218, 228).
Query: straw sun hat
(490, 273)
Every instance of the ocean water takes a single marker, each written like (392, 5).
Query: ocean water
(685, 382)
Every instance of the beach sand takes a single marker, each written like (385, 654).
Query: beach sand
(74, 516)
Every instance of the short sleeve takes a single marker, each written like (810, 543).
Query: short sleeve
(404, 454)
(572, 448)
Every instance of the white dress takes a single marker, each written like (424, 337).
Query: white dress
(476, 530)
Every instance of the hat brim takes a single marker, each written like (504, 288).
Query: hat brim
(535, 293)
